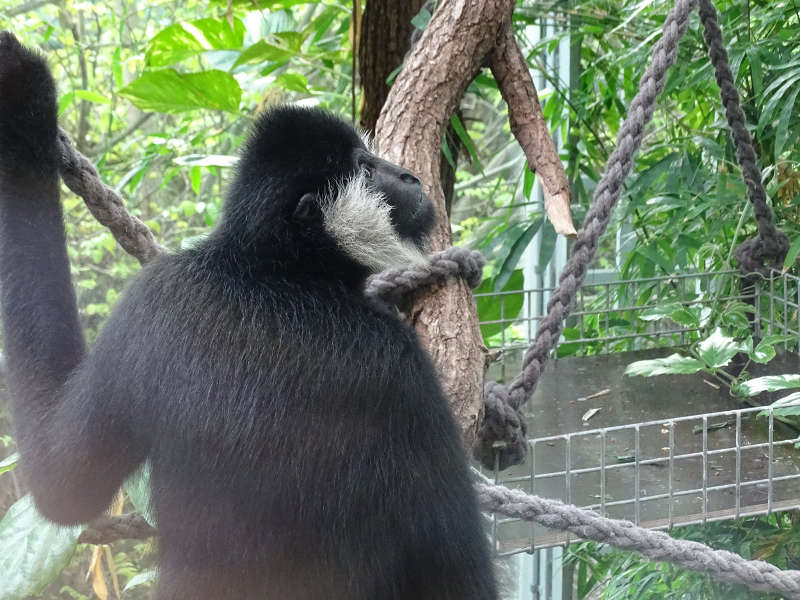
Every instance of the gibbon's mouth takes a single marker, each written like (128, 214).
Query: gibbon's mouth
(422, 202)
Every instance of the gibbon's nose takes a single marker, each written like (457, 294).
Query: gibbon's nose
(388, 177)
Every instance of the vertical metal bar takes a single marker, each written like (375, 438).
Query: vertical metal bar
(785, 309)
(771, 448)
(632, 303)
(603, 472)
(636, 475)
(771, 303)
(657, 324)
(683, 296)
(503, 321)
(705, 469)
(581, 327)
(670, 480)
(797, 313)
(529, 315)
(738, 463)
(495, 543)
(568, 473)
(607, 291)
(757, 303)
(548, 574)
(532, 446)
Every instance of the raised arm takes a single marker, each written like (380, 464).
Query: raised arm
(70, 460)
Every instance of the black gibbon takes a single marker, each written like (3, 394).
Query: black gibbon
(300, 445)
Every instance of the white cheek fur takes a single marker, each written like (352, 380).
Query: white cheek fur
(358, 218)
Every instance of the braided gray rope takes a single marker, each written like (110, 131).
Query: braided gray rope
(605, 198)
(656, 545)
(81, 176)
(394, 285)
(770, 244)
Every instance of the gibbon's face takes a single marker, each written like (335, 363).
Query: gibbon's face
(312, 173)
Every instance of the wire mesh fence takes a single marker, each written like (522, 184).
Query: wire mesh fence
(702, 455)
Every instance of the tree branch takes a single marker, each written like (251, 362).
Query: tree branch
(102, 149)
(27, 7)
(451, 51)
(108, 528)
(529, 127)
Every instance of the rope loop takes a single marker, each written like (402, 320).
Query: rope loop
(502, 436)
(758, 253)
(394, 286)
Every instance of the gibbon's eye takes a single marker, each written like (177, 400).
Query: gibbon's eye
(409, 179)
(367, 168)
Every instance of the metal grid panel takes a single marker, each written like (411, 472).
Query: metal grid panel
(606, 317)
(678, 471)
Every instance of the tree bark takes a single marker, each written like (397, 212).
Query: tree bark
(450, 53)
(385, 38)
(529, 127)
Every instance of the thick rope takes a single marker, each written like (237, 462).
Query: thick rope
(395, 285)
(81, 176)
(770, 245)
(656, 545)
(513, 449)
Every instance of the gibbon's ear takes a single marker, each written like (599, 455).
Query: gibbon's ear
(306, 209)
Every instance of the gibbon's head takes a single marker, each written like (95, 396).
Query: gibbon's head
(310, 193)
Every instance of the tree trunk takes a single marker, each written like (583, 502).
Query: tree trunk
(385, 38)
(450, 53)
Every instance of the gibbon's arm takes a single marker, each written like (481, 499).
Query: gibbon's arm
(70, 449)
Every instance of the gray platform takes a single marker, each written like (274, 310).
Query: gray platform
(656, 458)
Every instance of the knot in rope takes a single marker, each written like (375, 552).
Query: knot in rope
(393, 286)
(754, 255)
(502, 434)
(770, 245)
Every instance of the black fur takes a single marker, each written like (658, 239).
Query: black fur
(300, 445)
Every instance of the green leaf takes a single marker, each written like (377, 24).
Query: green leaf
(448, 154)
(765, 351)
(116, 67)
(147, 577)
(462, 134)
(791, 255)
(279, 48)
(756, 72)
(674, 364)
(659, 312)
(33, 551)
(528, 179)
(196, 179)
(768, 383)
(517, 248)
(90, 96)
(293, 82)
(718, 349)
(9, 463)
(497, 307)
(190, 38)
(788, 405)
(421, 19)
(547, 246)
(137, 488)
(654, 255)
(207, 160)
(65, 102)
(168, 91)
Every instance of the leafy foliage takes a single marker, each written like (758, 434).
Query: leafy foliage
(160, 93)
